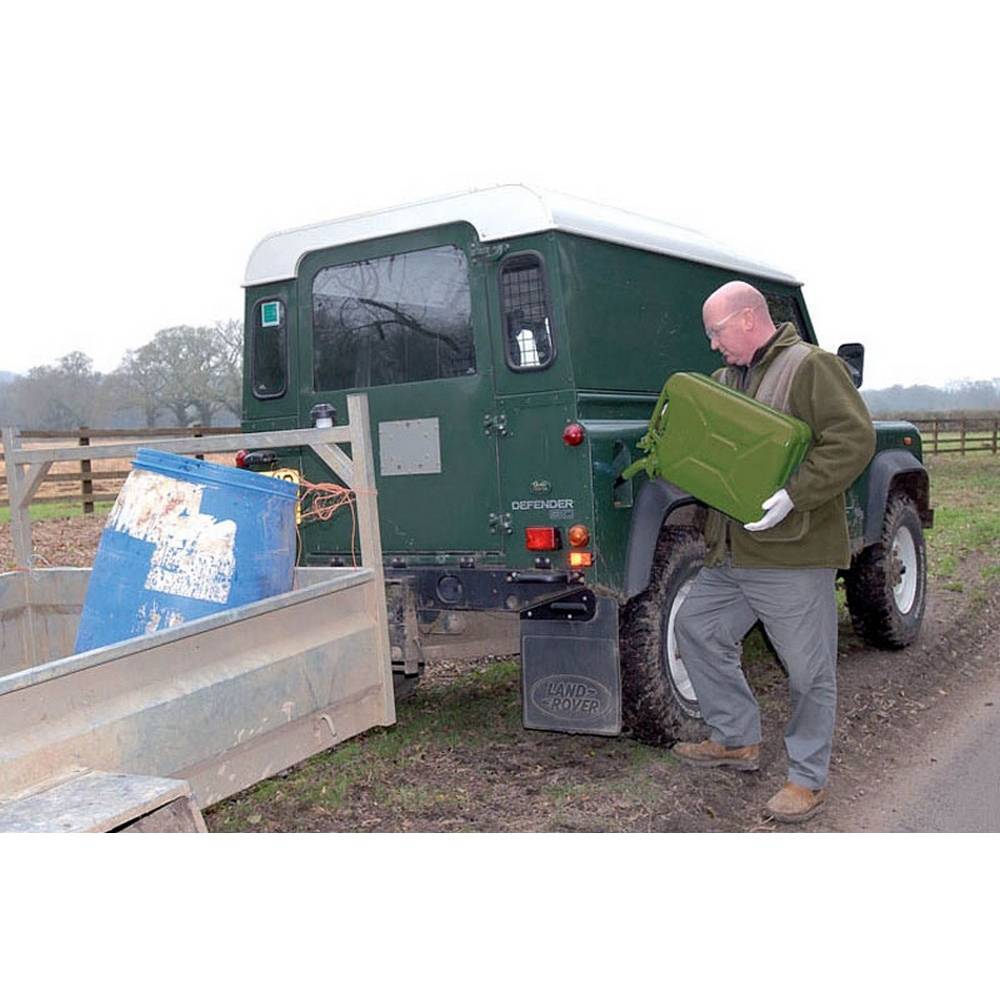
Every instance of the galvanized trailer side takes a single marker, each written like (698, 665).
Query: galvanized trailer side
(141, 734)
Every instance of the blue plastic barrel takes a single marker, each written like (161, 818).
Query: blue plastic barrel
(185, 539)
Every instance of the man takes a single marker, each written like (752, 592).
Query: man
(780, 569)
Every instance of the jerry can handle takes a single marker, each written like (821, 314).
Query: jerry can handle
(657, 415)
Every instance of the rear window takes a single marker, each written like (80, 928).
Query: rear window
(402, 318)
(269, 354)
(528, 332)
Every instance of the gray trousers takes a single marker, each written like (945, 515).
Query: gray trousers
(798, 609)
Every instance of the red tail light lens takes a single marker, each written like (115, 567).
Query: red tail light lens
(573, 434)
(541, 539)
(579, 535)
(241, 458)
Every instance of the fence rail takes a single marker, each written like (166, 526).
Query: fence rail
(86, 472)
(959, 435)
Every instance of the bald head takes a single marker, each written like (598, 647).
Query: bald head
(737, 321)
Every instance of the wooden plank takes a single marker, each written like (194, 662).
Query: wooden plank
(20, 522)
(338, 462)
(371, 539)
(117, 432)
(67, 498)
(74, 477)
(189, 446)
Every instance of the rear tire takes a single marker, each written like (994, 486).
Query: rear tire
(887, 584)
(659, 705)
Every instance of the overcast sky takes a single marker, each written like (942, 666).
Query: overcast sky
(145, 154)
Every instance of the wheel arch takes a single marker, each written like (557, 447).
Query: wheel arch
(660, 503)
(895, 471)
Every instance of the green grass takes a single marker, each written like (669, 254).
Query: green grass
(965, 494)
(51, 511)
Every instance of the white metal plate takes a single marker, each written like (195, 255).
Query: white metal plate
(409, 447)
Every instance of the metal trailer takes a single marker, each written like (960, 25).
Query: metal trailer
(142, 734)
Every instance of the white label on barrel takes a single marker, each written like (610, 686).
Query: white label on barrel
(193, 555)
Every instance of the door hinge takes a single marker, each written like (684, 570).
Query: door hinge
(501, 522)
(495, 422)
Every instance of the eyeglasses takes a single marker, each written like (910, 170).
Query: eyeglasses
(713, 331)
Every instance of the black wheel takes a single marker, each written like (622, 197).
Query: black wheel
(659, 705)
(887, 584)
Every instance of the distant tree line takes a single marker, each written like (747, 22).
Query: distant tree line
(966, 395)
(184, 375)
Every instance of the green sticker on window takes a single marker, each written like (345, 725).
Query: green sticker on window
(270, 314)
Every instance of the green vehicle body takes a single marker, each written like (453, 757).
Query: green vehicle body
(622, 318)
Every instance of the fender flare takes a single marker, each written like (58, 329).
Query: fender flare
(656, 501)
(885, 468)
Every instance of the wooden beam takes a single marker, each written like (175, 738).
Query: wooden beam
(20, 522)
(338, 462)
(371, 539)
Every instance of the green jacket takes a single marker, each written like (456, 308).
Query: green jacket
(815, 533)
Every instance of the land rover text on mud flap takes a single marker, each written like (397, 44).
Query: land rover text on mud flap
(511, 345)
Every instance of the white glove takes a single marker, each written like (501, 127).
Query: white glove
(778, 507)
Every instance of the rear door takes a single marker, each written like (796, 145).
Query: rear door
(403, 320)
(543, 481)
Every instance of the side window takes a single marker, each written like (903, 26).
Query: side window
(785, 309)
(269, 348)
(527, 331)
(402, 318)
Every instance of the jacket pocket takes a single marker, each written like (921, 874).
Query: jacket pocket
(792, 529)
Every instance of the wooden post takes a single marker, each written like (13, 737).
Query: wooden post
(996, 424)
(198, 434)
(86, 483)
(363, 460)
(935, 435)
(20, 522)
(962, 447)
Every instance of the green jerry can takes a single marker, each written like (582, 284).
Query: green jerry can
(722, 447)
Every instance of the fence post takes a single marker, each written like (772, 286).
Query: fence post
(935, 435)
(198, 434)
(86, 483)
(996, 423)
(962, 447)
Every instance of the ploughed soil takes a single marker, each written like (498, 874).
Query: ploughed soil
(459, 759)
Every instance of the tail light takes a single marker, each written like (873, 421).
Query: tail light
(573, 434)
(578, 560)
(579, 536)
(541, 539)
(241, 458)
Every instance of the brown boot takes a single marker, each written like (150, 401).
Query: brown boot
(708, 753)
(795, 803)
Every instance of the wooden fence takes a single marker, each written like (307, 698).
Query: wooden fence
(75, 482)
(958, 435)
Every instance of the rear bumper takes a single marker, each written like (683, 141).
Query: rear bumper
(449, 588)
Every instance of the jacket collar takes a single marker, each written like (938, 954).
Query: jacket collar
(784, 336)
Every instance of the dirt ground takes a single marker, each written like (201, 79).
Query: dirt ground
(460, 760)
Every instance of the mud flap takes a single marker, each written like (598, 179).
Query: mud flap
(570, 673)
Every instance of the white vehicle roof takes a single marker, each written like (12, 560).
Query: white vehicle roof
(499, 213)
